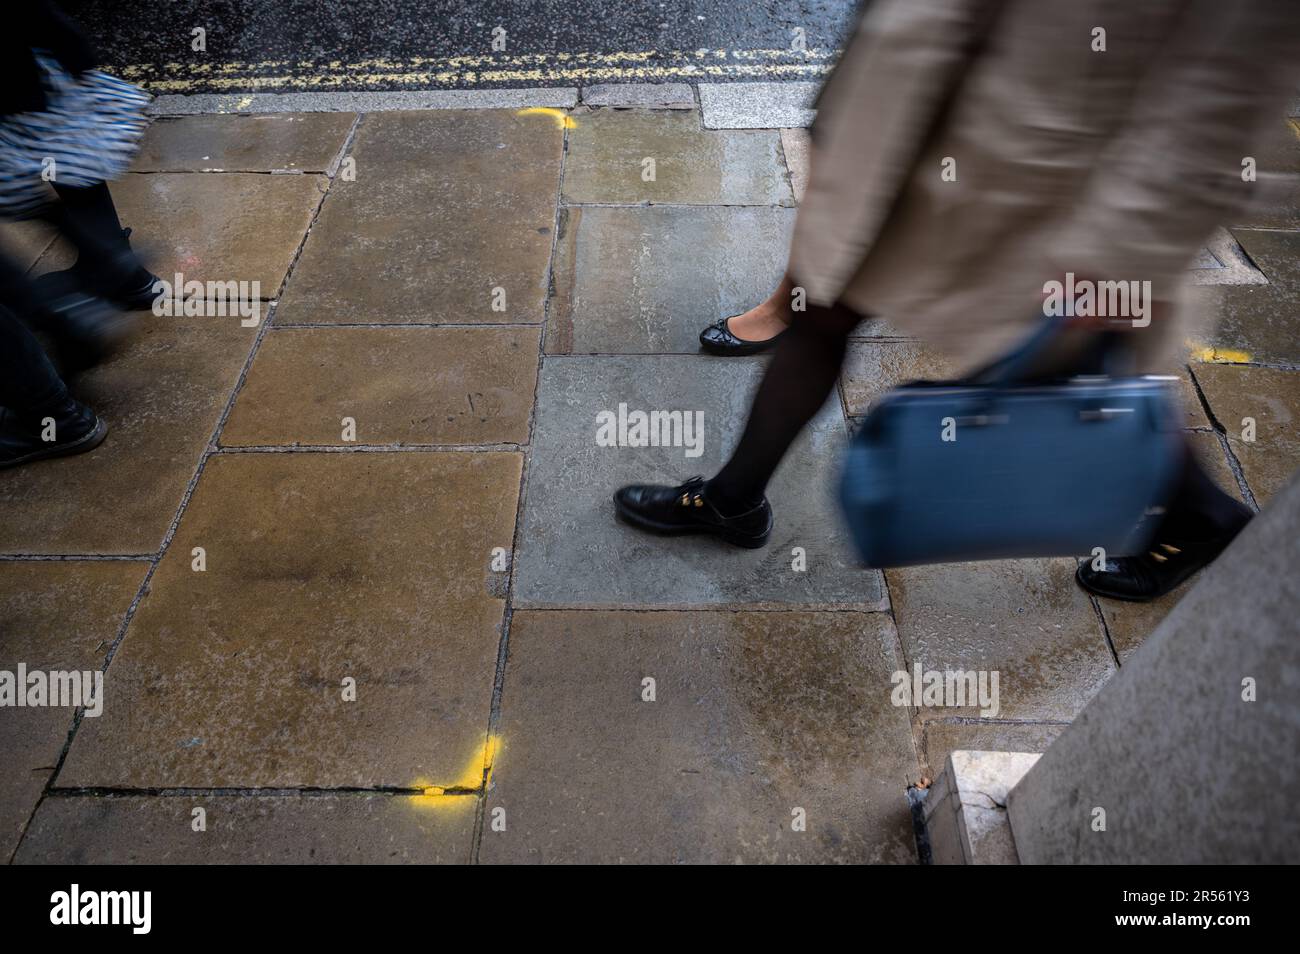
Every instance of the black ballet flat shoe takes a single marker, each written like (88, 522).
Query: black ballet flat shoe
(686, 509)
(718, 339)
(1170, 562)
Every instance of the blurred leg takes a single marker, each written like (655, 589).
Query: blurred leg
(28, 382)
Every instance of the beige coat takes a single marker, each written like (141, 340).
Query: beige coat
(1114, 164)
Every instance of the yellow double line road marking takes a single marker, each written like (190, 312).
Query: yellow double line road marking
(629, 66)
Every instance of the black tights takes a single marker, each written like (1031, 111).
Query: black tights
(803, 372)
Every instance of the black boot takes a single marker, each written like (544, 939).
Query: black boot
(688, 509)
(1199, 524)
(124, 282)
(66, 427)
(106, 264)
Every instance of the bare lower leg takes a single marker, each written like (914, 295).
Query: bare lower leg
(768, 319)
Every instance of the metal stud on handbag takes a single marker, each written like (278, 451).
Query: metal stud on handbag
(952, 471)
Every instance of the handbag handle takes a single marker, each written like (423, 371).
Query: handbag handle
(1013, 367)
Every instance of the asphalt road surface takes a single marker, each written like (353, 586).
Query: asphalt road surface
(372, 45)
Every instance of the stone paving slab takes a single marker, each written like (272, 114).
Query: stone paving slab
(297, 142)
(876, 329)
(25, 242)
(757, 105)
(754, 715)
(573, 553)
(399, 385)
(1258, 322)
(445, 208)
(54, 616)
(871, 369)
(285, 830)
(796, 145)
(647, 281)
(555, 97)
(608, 152)
(1189, 401)
(1272, 398)
(1025, 619)
(647, 95)
(319, 567)
(1224, 262)
(162, 398)
(232, 227)
(943, 738)
(1130, 623)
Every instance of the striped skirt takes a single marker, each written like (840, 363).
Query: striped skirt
(88, 133)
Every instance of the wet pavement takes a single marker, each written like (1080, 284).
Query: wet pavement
(351, 571)
(283, 45)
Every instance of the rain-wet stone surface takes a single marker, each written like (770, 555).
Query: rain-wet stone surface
(1272, 398)
(647, 280)
(162, 397)
(647, 95)
(941, 738)
(1129, 624)
(609, 149)
(796, 145)
(872, 368)
(1259, 319)
(233, 227)
(400, 385)
(1024, 619)
(24, 242)
(757, 105)
(300, 142)
(446, 207)
(573, 553)
(306, 829)
(755, 715)
(319, 567)
(54, 616)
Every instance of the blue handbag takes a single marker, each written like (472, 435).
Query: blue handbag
(995, 467)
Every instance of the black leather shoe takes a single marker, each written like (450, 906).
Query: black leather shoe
(75, 430)
(686, 509)
(718, 339)
(1170, 561)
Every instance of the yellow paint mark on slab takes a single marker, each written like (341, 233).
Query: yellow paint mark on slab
(562, 119)
(475, 778)
(1208, 354)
